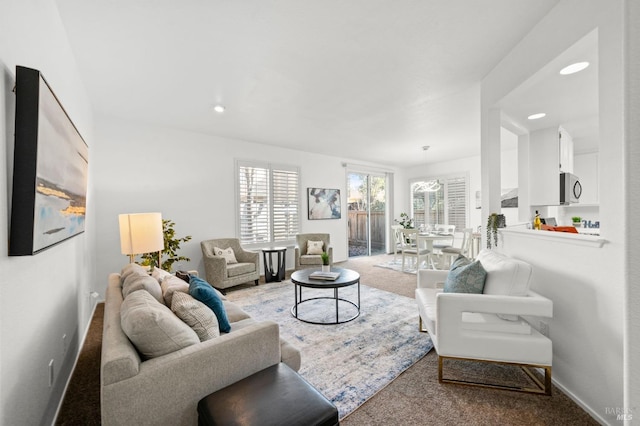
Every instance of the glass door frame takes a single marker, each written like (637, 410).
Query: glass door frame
(368, 174)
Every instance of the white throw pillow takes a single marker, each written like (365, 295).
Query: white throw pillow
(227, 253)
(314, 247)
(196, 315)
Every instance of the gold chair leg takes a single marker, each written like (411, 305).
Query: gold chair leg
(420, 326)
(540, 389)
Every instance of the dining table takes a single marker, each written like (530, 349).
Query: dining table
(428, 238)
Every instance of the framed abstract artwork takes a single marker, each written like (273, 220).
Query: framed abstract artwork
(323, 203)
(49, 170)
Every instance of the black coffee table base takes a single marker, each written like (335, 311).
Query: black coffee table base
(302, 280)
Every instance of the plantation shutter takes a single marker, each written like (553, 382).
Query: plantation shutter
(457, 202)
(447, 205)
(285, 204)
(268, 203)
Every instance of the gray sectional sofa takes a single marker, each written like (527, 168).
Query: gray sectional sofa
(166, 388)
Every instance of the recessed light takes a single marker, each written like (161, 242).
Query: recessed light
(574, 68)
(536, 116)
(426, 148)
(219, 109)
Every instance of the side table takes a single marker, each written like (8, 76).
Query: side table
(270, 273)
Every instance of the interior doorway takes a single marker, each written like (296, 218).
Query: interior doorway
(367, 200)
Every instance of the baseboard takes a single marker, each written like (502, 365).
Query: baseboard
(580, 402)
(75, 361)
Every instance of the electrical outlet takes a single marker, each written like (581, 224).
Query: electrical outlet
(65, 344)
(50, 373)
(544, 328)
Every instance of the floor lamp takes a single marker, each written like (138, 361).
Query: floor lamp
(141, 233)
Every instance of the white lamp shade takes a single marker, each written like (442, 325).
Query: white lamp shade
(141, 233)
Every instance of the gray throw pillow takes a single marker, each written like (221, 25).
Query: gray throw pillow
(135, 282)
(196, 315)
(465, 276)
(152, 328)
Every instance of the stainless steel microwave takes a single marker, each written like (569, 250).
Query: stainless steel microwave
(570, 188)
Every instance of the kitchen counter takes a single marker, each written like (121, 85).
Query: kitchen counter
(559, 237)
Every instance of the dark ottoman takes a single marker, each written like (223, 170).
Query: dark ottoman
(276, 396)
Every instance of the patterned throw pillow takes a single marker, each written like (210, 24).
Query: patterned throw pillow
(227, 253)
(314, 247)
(196, 315)
(201, 290)
(465, 276)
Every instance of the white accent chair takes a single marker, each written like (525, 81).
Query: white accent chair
(488, 327)
(414, 248)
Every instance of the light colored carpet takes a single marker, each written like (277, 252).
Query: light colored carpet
(350, 362)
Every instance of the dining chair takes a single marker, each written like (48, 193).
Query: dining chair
(413, 248)
(397, 239)
(438, 245)
(451, 253)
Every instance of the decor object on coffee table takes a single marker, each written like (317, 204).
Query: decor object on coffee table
(140, 233)
(309, 249)
(220, 272)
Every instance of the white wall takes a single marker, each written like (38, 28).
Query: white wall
(586, 284)
(190, 178)
(44, 296)
(632, 296)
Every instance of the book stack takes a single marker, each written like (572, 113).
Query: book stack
(327, 276)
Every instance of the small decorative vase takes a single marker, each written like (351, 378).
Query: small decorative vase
(326, 268)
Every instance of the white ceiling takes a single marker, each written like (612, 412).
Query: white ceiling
(372, 80)
(570, 101)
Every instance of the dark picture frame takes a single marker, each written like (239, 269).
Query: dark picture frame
(323, 203)
(50, 169)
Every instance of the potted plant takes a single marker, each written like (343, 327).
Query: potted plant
(405, 221)
(171, 247)
(325, 262)
(494, 222)
(577, 221)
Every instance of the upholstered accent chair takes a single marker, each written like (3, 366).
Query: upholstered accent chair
(304, 259)
(488, 326)
(222, 274)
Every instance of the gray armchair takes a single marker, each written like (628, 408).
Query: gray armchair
(222, 275)
(304, 260)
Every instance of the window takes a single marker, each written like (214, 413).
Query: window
(440, 201)
(268, 202)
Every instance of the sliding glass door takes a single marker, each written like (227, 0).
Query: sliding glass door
(367, 218)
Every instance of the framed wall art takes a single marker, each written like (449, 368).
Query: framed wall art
(323, 203)
(49, 171)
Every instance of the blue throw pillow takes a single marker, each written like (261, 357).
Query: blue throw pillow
(465, 276)
(201, 290)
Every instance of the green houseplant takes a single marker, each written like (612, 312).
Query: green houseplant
(494, 221)
(171, 247)
(405, 221)
(577, 221)
(325, 261)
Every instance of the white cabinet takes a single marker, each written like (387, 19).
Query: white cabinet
(544, 167)
(566, 151)
(586, 168)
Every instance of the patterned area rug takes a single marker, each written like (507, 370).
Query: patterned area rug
(396, 265)
(350, 362)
